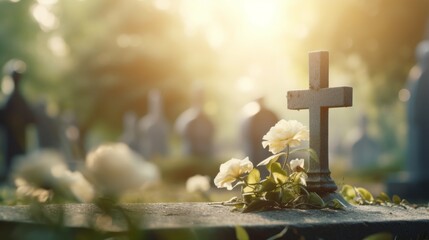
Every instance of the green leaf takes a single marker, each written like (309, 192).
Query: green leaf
(268, 185)
(241, 233)
(239, 206)
(396, 199)
(249, 189)
(316, 200)
(380, 236)
(271, 159)
(253, 177)
(277, 173)
(288, 196)
(296, 177)
(383, 198)
(336, 204)
(313, 154)
(258, 205)
(273, 196)
(348, 191)
(365, 194)
(249, 197)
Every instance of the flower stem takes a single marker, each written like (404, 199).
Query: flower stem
(287, 157)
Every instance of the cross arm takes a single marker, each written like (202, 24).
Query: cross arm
(324, 97)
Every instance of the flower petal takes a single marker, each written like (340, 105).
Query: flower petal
(270, 159)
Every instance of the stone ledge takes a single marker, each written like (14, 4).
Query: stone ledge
(205, 221)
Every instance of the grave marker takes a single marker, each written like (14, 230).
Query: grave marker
(196, 129)
(318, 99)
(16, 116)
(257, 122)
(153, 129)
(412, 184)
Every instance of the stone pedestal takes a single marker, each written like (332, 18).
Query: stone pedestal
(206, 221)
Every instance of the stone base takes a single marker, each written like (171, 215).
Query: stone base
(413, 191)
(191, 221)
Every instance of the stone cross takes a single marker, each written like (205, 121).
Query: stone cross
(318, 99)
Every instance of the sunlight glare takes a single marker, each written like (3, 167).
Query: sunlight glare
(46, 19)
(215, 36)
(7, 85)
(251, 108)
(404, 95)
(196, 15)
(47, 2)
(58, 46)
(127, 40)
(162, 4)
(245, 85)
(261, 14)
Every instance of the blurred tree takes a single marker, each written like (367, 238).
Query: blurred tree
(100, 58)
(120, 50)
(20, 38)
(378, 37)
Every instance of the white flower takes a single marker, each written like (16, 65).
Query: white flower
(44, 174)
(79, 186)
(26, 191)
(198, 183)
(285, 133)
(294, 164)
(115, 168)
(230, 171)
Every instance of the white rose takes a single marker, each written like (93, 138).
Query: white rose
(230, 171)
(294, 164)
(81, 189)
(44, 174)
(115, 168)
(198, 183)
(285, 133)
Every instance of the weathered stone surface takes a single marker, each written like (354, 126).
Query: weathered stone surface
(206, 221)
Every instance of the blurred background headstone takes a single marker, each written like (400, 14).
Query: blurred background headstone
(196, 129)
(16, 116)
(48, 127)
(413, 183)
(364, 150)
(129, 134)
(153, 129)
(257, 120)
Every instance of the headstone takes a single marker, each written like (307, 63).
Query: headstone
(16, 116)
(412, 184)
(196, 129)
(48, 127)
(418, 120)
(318, 99)
(365, 150)
(129, 134)
(153, 129)
(258, 119)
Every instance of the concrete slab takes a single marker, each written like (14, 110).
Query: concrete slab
(207, 221)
